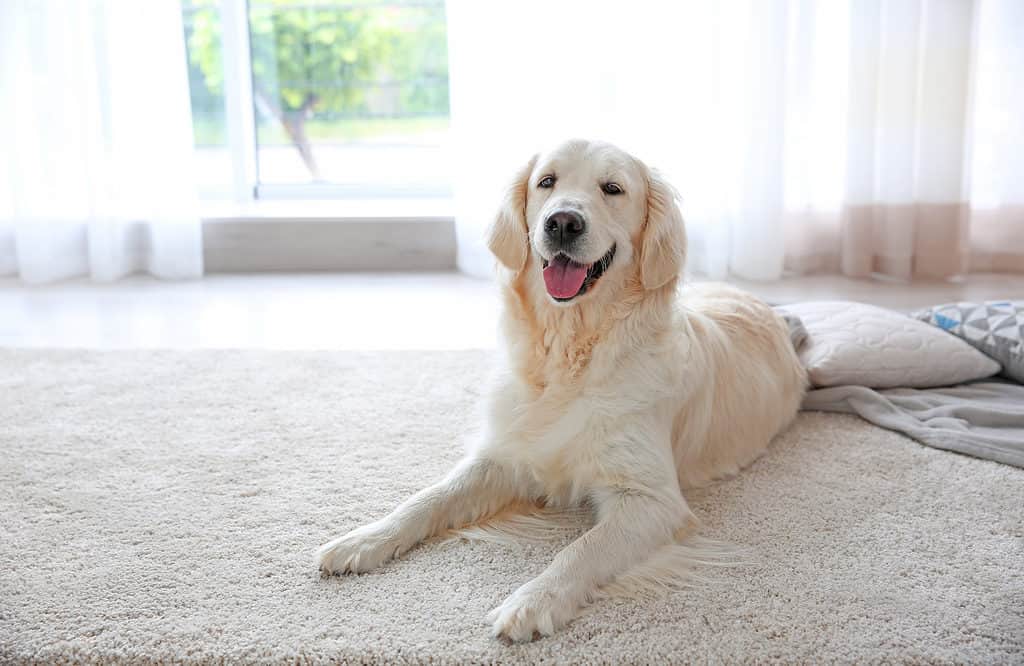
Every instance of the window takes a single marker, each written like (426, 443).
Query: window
(319, 98)
(206, 86)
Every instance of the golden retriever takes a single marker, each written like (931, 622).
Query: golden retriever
(620, 389)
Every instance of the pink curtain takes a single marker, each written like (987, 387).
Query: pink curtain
(934, 121)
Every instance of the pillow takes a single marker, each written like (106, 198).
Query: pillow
(854, 343)
(994, 327)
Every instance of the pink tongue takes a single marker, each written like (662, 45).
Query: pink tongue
(563, 278)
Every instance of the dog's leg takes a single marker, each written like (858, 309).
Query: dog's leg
(631, 525)
(474, 489)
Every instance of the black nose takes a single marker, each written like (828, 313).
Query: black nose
(564, 226)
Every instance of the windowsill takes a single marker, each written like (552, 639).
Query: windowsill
(340, 210)
(406, 234)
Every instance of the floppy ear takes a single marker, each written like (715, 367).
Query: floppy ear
(663, 246)
(508, 237)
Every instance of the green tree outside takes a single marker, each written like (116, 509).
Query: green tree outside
(330, 67)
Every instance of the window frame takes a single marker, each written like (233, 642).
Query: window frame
(311, 226)
(241, 125)
(239, 110)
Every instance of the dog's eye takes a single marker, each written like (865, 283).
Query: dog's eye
(546, 182)
(611, 188)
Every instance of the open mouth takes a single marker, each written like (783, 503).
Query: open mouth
(566, 279)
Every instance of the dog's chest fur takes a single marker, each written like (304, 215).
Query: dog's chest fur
(574, 374)
(555, 347)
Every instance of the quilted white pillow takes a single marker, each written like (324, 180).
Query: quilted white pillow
(854, 343)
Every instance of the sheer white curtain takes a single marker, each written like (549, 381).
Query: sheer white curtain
(95, 129)
(863, 136)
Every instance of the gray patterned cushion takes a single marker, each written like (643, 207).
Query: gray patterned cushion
(994, 327)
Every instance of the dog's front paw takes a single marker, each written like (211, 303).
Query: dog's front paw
(360, 550)
(533, 608)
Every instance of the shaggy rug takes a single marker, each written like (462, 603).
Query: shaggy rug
(165, 506)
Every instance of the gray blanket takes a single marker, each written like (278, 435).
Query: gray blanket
(983, 418)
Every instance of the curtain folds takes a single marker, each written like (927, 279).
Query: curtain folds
(95, 174)
(865, 137)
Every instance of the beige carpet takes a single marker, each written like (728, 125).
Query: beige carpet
(165, 507)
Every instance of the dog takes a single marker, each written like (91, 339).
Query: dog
(619, 387)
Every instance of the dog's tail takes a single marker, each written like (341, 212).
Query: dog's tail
(690, 561)
(693, 561)
(527, 523)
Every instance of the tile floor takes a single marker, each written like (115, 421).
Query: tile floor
(346, 310)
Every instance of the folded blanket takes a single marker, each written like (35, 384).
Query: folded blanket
(863, 360)
(983, 419)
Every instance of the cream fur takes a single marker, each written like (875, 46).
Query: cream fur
(620, 398)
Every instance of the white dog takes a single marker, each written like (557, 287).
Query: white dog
(620, 389)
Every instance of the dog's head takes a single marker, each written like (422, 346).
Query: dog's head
(587, 214)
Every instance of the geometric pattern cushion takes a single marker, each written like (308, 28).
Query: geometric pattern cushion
(994, 327)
